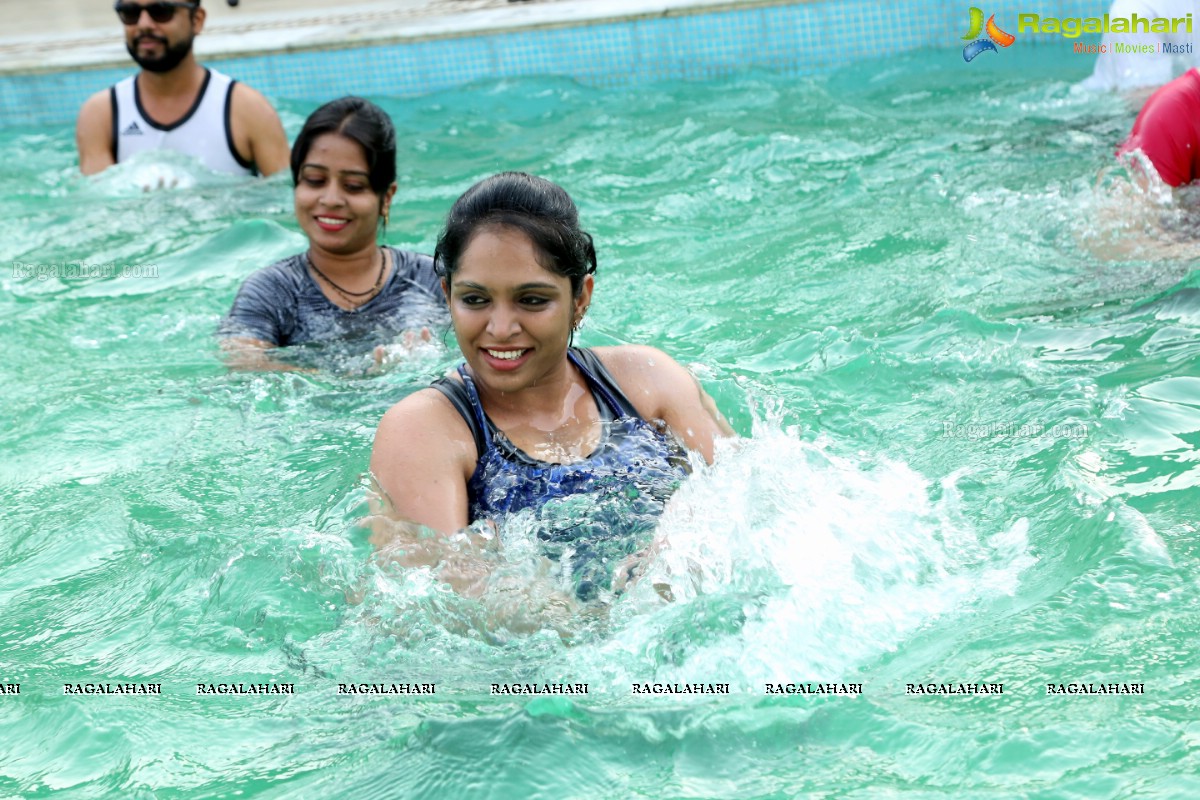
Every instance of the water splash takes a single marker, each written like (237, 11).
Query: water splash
(783, 561)
(786, 560)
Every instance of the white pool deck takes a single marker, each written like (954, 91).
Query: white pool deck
(61, 35)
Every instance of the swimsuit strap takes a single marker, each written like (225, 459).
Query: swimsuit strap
(611, 402)
(456, 393)
(599, 381)
(481, 419)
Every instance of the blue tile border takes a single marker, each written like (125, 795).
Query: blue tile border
(797, 39)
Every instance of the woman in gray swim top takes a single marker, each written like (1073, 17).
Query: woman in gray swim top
(345, 287)
(529, 422)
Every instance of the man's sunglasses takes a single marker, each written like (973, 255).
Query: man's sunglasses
(159, 11)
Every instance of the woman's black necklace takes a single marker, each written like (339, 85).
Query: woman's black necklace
(353, 296)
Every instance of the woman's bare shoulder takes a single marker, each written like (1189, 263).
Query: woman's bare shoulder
(426, 416)
(632, 357)
(638, 365)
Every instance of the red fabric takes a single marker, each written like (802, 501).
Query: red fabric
(1167, 130)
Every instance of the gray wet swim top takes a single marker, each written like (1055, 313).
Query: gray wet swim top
(282, 305)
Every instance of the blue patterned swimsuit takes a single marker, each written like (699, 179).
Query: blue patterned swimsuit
(591, 513)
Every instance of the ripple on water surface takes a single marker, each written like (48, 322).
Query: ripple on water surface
(962, 367)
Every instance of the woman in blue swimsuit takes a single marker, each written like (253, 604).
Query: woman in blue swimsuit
(530, 425)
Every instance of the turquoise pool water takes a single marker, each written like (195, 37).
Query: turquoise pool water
(971, 418)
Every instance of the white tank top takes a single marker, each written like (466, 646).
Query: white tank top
(203, 132)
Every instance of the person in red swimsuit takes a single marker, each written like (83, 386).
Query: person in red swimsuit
(1167, 130)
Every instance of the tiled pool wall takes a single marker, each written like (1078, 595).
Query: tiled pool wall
(798, 38)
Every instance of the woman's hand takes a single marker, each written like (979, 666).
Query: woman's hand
(521, 598)
(464, 560)
(411, 341)
(254, 355)
(631, 570)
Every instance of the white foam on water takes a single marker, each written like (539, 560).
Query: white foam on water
(156, 170)
(788, 562)
(784, 561)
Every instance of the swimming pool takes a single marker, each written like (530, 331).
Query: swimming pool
(970, 458)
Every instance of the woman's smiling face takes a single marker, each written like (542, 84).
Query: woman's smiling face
(335, 205)
(511, 315)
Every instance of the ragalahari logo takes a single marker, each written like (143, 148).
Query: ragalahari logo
(995, 36)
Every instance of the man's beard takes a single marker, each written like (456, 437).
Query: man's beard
(172, 54)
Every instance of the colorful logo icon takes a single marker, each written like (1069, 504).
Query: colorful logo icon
(995, 36)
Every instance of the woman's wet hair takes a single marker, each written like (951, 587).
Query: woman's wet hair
(362, 122)
(541, 210)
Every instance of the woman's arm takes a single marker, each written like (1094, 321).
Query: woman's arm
(662, 388)
(253, 327)
(421, 461)
(254, 355)
(423, 456)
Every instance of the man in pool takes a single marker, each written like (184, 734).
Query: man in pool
(176, 104)
(1167, 130)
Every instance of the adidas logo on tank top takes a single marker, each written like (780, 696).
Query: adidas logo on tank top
(132, 130)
